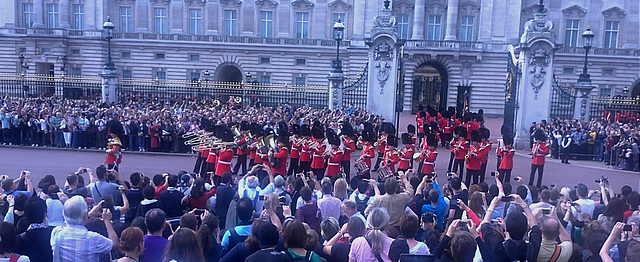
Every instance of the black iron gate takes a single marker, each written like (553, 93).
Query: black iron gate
(511, 91)
(428, 91)
(563, 101)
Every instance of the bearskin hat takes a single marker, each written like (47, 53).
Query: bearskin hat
(368, 126)
(218, 131)
(333, 138)
(539, 135)
(461, 131)
(305, 130)
(367, 135)
(504, 130)
(451, 111)
(347, 129)
(421, 114)
(227, 135)
(476, 136)
(388, 128)
(244, 126)
(114, 127)
(317, 132)
(507, 140)
(283, 137)
(392, 140)
(268, 132)
(485, 132)
(406, 139)
(318, 124)
(295, 129)
(206, 124)
(411, 129)
(329, 131)
(283, 126)
(432, 140)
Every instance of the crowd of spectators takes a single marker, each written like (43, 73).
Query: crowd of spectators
(262, 216)
(614, 143)
(149, 125)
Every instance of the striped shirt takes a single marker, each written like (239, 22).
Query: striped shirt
(76, 243)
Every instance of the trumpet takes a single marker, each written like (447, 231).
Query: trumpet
(237, 99)
(216, 102)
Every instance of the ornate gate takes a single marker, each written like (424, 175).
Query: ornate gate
(511, 90)
(562, 101)
(428, 91)
(355, 90)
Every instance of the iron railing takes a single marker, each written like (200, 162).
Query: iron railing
(355, 90)
(74, 87)
(562, 104)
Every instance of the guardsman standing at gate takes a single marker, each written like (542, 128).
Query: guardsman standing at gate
(540, 150)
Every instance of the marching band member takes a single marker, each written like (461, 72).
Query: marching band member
(473, 158)
(504, 131)
(446, 124)
(114, 154)
(346, 134)
(281, 154)
(257, 136)
(429, 155)
(367, 149)
(202, 149)
(334, 156)
(485, 145)
(263, 153)
(406, 153)
(459, 149)
(540, 150)
(212, 158)
(391, 155)
(305, 150)
(420, 124)
(243, 150)
(386, 129)
(411, 129)
(225, 156)
(506, 153)
(317, 149)
(295, 149)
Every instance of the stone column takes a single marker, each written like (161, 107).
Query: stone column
(284, 20)
(8, 14)
(486, 15)
(583, 101)
(336, 90)
(248, 10)
(176, 18)
(452, 21)
(38, 12)
(65, 17)
(418, 20)
(141, 16)
(109, 85)
(358, 19)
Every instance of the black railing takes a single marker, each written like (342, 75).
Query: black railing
(355, 91)
(73, 87)
(563, 101)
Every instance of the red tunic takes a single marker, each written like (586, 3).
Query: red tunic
(113, 155)
(224, 161)
(318, 159)
(420, 124)
(295, 148)
(282, 154)
(305, 152)
(391, 158)
(382, 146)
(333, 161)
(429, 161)
(406, 156)
(474, 158)
(507, 157)
(484, 153)
(540, 151)
(155, 134)
(462, 146)
(367, 150)
(446, 127)
(204, 152)
(349, 147)
(242, 149)
(213, 156)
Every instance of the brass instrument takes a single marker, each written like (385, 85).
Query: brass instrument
(236, 131)
(216, 102)
(237, 99)
(416, 156)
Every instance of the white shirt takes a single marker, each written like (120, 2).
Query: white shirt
(586, 206)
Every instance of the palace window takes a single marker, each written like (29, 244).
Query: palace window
(302, 25)
(434, 27)
(27, 15)
(265, 79)
(466, 28)
(403, 26)
(125, 19)
(611, 34)
(301, 80)
(231, 22)
(572, 32)
(161, 20)
(266, 23)
(126, 73)
(195, 21)
(78, 16)
(53, 15)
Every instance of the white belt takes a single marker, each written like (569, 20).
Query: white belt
(314, 155)
(224, 162)
(430, 163)
(305, 151)
(333, 164)
(405, 159)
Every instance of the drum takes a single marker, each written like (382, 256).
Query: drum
(361, 167)
(383, 173)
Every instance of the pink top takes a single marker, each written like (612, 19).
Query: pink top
(361, 251)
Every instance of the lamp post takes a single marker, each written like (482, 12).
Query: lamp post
(108, 27)
(64, 64)
(587, 36)
(206, 76)
(338, 35)
(22, 64)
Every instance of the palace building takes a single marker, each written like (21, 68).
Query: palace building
(456, 51)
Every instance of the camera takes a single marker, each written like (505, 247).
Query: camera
(462, 226)
(84, 170)
(104, 205)
(546, 211)
(507, 199)
(603, 179)
(493, 173)
(627, 228)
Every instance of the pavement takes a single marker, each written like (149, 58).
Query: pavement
(61, 162)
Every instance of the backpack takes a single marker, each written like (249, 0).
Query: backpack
(307, 256)
(362, 204)
(235, 238)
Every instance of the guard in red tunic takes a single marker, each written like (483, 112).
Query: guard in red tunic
(243, 148)
(333, 156)
(506, 153)
(485, 144)
(420, 123)
(459, 147)
(368, 151)
(386, 129)
(348, 147)
(203, 153)
(446, 124)
(212, 158)
(256, 131)
(391, 155)
(114, 155)
(225, 155)
(406, 153)
(540, 150)
(281, 154)
(305, 149)
(473, 158)
(264, 150)
(411, 129)
(317, 148)
(429, 155)
(295, 144)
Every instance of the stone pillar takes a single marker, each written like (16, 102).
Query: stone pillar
(248, 10)
(175, 21)
(418, 20)
(109, 85)
(336, 90)
(38, 13)
(8, 14)
(486, 15)
(65, 17)
(141, 16)
(284, 20)
(537, 51)
(383, 65)
(583, 101)
(358, 19)
(90, 17)
(452, 21)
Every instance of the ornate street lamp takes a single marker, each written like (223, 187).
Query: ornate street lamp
(64, 64)
(625, 90)
(587, 36)
(22, 64)
(338, 35)
(206, 76)
(108, 27)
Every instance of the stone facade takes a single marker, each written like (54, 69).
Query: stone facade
(290, 41)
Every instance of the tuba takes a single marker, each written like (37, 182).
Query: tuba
(216, 102)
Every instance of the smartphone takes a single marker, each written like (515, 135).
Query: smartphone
(507, 199)
(546, 211)
(84, 170)
(573, 204)
(199, 212)
(261, 198)
(104, 205)
(516, 179)
(553, 185)
(493, 173)
(627, 228)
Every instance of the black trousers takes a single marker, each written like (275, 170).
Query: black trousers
(472, 174)
(305, 166)
(450, 162)
(241, 161)
(446, 139)
(505, 175)
(251, 163)
(499, 159)
(319, 172)
(293, 166)
(565, 155)
(483, 171)
(207, 167)
(540, 169)
(346, 168)
(458, 164)
(378, 160)
(198, 166)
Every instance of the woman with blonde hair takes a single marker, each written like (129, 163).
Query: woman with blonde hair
(340, 189)
(374, 246)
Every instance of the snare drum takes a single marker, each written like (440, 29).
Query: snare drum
(361, 167)
(384, 172)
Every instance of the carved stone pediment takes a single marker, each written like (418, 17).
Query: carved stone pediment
(614, 13)
(532, 9)
(469, 8)
(403, 6)
(266, 3)
(130, 2)
(339, 5)
(230, 3)
(574, 11)
(436, 7)
(302, 4)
